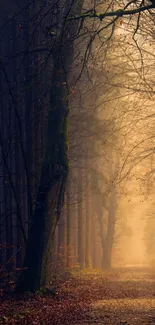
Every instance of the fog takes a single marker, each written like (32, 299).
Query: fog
(132, 247)
(108, 215)
(132, 171)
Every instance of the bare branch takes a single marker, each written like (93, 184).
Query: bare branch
(118, 13)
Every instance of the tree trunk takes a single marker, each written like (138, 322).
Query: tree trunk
(81, 225)
(62, 234)
(69, 230)
(54, 170)
(51, 189)
(108, 245)
(88, 221)
(93, 240)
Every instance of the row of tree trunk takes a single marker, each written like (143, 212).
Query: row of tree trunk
(35, 69)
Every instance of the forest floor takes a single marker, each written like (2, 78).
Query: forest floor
(122, 296)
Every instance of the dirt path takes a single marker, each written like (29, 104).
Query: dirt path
(127, 297)
(124, 296)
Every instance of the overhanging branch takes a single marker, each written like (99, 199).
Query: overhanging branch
(117, 13)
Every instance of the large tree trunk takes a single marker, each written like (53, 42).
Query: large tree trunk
(50, 192)
(54, 169)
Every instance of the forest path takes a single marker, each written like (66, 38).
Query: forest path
(121, 296)
(127, 297)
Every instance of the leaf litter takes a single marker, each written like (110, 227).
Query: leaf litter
(121, 296)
